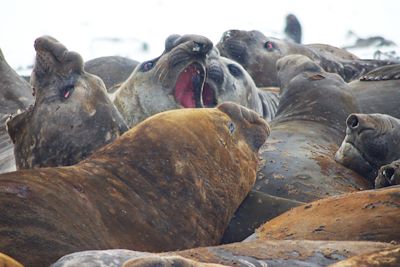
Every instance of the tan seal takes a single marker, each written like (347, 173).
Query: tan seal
(172, 182)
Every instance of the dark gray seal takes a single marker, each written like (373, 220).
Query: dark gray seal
(15, 94)
(227, 80)
(298, 158)
(173, 80)
(113, 70)
(72, 115)
(388, 175)
(379, 91)
(293, 28)
(372, 140)
(258, 54)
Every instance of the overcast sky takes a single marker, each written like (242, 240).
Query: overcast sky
(89, 26)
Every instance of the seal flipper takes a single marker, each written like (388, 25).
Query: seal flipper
(16, 124)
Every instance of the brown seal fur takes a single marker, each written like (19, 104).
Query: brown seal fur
(15, 94)
(258, 54)
(379, 91)
(260, 253)
(386, 258)
(388, 175)
(371, 215)
(173, 80)
(113, 70)
(298, 158)
(371, 141)
(72, 115)
(172, 182)
(6, 261)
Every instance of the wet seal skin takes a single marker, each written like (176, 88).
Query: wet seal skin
(258, 54)
(370, 215)
(15, 94)
(388, 175)
(298, 158)
(172, 182)
(173, 80)
(229, 81)
(386, 258)
(113, 70)
(72, 115)
(260, 253)
(378, 91)
(371, 141)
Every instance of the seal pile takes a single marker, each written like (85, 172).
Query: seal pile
(253, 152)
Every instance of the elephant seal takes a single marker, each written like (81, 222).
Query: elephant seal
(389, 257)
(293, 28)
(260, 253)
(172, 182)
(173, 80)
(388, 175)
(298, 158)
(370, 215)
(258, 54)
(6, 261)
(230, 82)
(72, 115)
(15, 94)
(372, 140)
(113, 70)
(379, 91)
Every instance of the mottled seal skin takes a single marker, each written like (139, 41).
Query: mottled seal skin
(167, 261)
(15, 94)
(156, 188)
(173, 80)
(379, 91)
(229, 81)
(370, 215)
(258, 54)
(259, 253)
(386, 258)
(298, 158)
(72, 115)
(371, 141)
(113, 70)
(388, 175)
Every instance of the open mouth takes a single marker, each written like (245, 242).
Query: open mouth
(190, 89)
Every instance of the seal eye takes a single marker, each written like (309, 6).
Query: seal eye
(67, 90)
(146, 66)
(269, 45)
(234, 70)
(231, 127)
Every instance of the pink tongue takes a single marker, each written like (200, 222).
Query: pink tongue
(184, 91)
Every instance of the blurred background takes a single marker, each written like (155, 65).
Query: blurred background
(138, 29)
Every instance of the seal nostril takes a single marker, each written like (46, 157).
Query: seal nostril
(388, 172)
(352, 122)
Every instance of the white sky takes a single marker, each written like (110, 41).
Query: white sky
(81, 25)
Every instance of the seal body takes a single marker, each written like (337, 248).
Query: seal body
(298, 158)
(257, 253)
(72, 115)
(258, 54)
(15, 94)
(229, 81)
(378, 91)
(113, 70)
(371, 141)
(173, 80)
(370, 215)
(172, 182)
